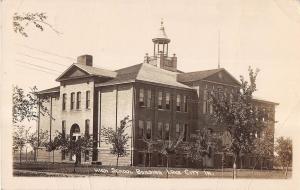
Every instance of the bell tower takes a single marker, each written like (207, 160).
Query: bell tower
(160, 56)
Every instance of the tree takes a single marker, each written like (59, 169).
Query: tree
(284, 149)
(37, 139)
(38, 19)
(19, 139)
(200, 146)
(117, 138)
(67, 144)
(263, 146)
(170, 147)
(27, 106)
(150, 147)
(237, 115)
(53, 145)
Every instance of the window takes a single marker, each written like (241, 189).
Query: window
(160, 159)
(177, 130)
(230, 98)
(204, 107)
(185, 104)
(78, 100)
(178, 102)
(178, 160)
(160, 100)
(87, 99)
(64, 101)
(63, 133)
(87, 127)
(185, 132)
(159, 130)
(167, 100)
(141, 129)
(63, 154)
(220, 93)
(86, 156)
(205, 94)
(211, 108)
(141, 100)
(140, 158)
(63, 129)
(72, 100)
(167, 131)
(148, 129)
(149, 98)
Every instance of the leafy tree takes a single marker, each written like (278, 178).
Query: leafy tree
(19, 139)
(38, 19)
(117, 138)
(53, 145)
(67, 144)
(200, 146)
(150, 148)
(36, 139)
(284, 149)
(238, 116)
(263, 146)
(170, 147)
(26, 106)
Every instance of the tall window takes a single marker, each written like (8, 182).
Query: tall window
(87, 127)
(230, 98)
(72, 100)
(149, 98)
(159, 130)
(63, 128)
(160, 100)
(141, 100)
(185, 103)
(78, 100)
(148, 129)
(86, 155)
(205, 101)
(63, 133)
(167, 131)
(185, 132)
(64, 101)
(178, 102)
(87, 99)
(141, 129)
(177, 130)
(211, 108)
(167, 100)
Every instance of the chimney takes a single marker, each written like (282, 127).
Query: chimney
(85, 60)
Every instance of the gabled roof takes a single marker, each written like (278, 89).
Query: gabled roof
(92, 71)
(261, 100)
(200, 75)
(49, 90)
(146, 73)
(196, 75)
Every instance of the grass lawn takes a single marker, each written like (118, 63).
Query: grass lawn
(45, 169)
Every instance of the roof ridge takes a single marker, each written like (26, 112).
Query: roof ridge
(219, 69)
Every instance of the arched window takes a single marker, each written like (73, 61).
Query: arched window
(75, 132)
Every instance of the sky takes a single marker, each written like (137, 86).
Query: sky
(263, 34)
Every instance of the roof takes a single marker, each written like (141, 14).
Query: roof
(197, 75)
(49, 90)
(257, 99)
(161, 36)
(146, 73)
(94, 71)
